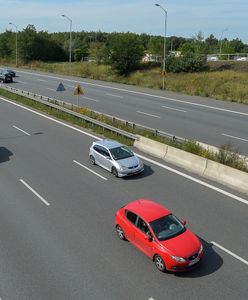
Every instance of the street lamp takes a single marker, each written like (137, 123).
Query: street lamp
(165, 20)
(221, 40)
(70, 37)
(16, 40)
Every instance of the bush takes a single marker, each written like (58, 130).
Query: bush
(187, 63)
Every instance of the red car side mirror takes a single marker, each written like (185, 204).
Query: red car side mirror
(148, 237)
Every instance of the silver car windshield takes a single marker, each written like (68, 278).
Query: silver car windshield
(121, 152)
(167, 227)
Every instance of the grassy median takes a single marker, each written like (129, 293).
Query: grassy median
(226, 155)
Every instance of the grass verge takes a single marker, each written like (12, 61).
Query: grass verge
(226, 154)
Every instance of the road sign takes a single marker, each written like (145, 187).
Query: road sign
(78, 90)
(60, 88)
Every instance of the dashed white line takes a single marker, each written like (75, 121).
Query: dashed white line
(50, 89)
(42, 80)
(144, 113)
(71, 86)
(90, 99)
(229, 252)
(141, 93)
(34, 192)
(181, 110)
(89, 170)
(141, 156)
(234, 137)
(22, 82)
(112, 95)
(21, 130)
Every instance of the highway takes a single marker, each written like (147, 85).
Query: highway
(202, 119)
(56, 220)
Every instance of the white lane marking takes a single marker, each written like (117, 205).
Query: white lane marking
(212, 187)
(21, 130)
(51, 119)
(34, 192)
(141, 156)
(112, 95)
(143, 113)
(234, 137)
(181, 110)
(71, 86)
(140, 93)
(229, 252)
(50, 89)
(42, 80)
(22, 82)
(89, 170)
(90, 99)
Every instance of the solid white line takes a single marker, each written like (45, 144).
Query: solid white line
(50, 89)
(33, 191)
(90, 99)
(112, 95)
(140, 93)
(89, 170)
(229, 252)
(194, 179)
(174, 108)
(234, 137)
(51, 119)
(22, 82)
(141, 156)
(143, 113)
(21, 130)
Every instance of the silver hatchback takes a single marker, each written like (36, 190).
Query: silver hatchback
(115, 157)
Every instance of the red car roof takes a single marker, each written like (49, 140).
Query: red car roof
(147, 209)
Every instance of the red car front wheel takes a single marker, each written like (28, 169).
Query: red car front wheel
(159, 263)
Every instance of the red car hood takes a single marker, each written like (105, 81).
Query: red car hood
(183, 245)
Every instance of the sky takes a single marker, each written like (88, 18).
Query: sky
(185, 18)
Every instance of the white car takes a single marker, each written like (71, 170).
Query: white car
(115, 157)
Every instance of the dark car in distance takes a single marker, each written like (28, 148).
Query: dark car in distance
(5, 76)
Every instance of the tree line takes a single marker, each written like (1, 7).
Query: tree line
(121, 50)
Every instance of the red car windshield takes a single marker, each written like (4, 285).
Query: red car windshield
(167, 227)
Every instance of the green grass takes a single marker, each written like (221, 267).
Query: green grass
(226, 154)
(225, 81)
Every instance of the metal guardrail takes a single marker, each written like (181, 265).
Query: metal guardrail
(68, 108)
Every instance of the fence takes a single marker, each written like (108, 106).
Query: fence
(69, 108)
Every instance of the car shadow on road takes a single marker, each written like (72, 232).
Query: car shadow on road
(211, 262)
(148, 171)
(5, 154)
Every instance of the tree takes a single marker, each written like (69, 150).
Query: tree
(124, 52)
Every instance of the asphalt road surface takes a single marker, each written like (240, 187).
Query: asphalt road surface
(57, 221)
(202, 119)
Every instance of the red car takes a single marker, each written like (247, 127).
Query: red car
(155, 231)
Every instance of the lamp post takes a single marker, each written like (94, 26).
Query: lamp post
(70, 37)
(221, 40)
(165, 21)
(16, 41)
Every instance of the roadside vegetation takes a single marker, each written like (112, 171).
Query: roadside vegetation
(226, 155)
(117, 57)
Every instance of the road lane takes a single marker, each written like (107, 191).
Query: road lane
(205, 120)
(70, 251)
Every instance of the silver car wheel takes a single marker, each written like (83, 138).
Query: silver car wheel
(120, 232)
(160, 263)
(92, 160)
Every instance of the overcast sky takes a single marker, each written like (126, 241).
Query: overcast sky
(184, 17)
